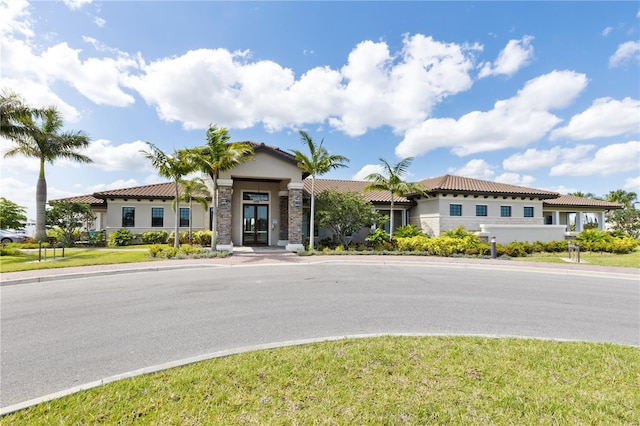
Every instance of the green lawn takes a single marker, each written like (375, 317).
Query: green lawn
(387, 380)
(73, 257)
(631, 260)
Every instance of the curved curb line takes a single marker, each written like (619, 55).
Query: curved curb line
(229, 352)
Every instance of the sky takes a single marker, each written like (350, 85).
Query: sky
(539, 94)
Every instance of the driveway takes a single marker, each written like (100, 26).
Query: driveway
(62, 333)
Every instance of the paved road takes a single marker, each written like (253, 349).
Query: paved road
(59, 334)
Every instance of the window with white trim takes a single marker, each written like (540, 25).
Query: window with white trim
(455, 209)
(505, 211)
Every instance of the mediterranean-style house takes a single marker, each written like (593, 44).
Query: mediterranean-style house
(265, 202)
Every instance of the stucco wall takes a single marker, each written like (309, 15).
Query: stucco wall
(507, 233)
(432, 215)
(143, 216)
(265, 166)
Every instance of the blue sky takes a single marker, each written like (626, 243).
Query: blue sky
(539, 94)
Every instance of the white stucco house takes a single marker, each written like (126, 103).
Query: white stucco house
(265, 202)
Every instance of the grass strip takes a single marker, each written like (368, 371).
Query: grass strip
(385, 380)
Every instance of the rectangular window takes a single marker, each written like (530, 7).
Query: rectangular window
(528, 212)
(157, 217)
(455, 209)
(128, 217)
(184, 216)
(481, 210)
(505, 211)
(255, 196)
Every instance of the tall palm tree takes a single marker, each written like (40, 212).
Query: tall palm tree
(173, 167)
(218, 155)
(193, 190)
(39, 137)
(620, 196)
(14, 115)
(317, 163)
(391, 179)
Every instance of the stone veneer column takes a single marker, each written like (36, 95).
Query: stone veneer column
(295, 217)
(283, 234)
(225, 208)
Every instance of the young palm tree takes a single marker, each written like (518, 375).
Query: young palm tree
(194, 190)
(218, 155)
(620, 196)
(173, 167)
(317, 163)
(37, 134)
(392, 180)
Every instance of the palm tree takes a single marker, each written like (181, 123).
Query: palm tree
(583, 195)
(218, 155)
(36, 133)
(392, 180)
(13, 115)
(173, 167)
(317, 163)
(620, 196)
(194, 190)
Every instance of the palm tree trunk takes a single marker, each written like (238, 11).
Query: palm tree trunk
(311, 218)
(391, 220)
(41, 202)
(176, 240)
(190, 220)
(214, 214)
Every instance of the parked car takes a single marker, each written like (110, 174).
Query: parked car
(7, 236)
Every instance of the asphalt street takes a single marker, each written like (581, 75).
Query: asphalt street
(60, 334)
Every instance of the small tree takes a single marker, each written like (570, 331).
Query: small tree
(70, 217)
(194, 190)
(11, 214)
(626, 220)
(345, 213)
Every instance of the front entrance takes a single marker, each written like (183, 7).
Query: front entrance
(255, 224)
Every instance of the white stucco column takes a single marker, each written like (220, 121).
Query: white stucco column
(601, 220)
(556, 217)
(579, 225)
(98, 222)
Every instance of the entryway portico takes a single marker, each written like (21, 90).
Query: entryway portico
(260, 202)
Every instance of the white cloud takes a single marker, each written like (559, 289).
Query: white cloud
(14, 18)
(533, 159)
(40, 95)
(515, 179)
(76, 4)
(367, 170)
(477, 169)
(515, 55)
(99, 21)
(608, 160)
(607, 31)
(632, 184)
(513, 122)
(118, 184)
(561, 189)
(373, 89)
(626, 52)
(126, 156)
(606, 117)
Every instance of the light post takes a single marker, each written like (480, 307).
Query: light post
(493, 248)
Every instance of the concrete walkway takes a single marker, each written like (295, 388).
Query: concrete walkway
(248, 256)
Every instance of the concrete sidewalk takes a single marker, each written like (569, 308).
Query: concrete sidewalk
(247, 256)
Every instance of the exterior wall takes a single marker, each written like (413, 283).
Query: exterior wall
(112, 220)
(432, 214)
(265, 166)
(507, 233)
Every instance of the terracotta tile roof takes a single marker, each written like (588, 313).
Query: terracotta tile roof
(89, 199)
(353, 185)
(465, 185)
(573, 201)
(157, 191)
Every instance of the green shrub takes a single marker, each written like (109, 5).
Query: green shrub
(407, 231)
(154, 237)
(185, 251)
(9, 251)
(98, 238)
(379, 239)
(121, 237)
(202, 238)
(183, 237)
(415, 243)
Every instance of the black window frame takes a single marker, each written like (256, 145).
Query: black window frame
(128, 217)
(184, 221)
(527, 209)
(504, 210)
(455, 210)
(482, 206)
